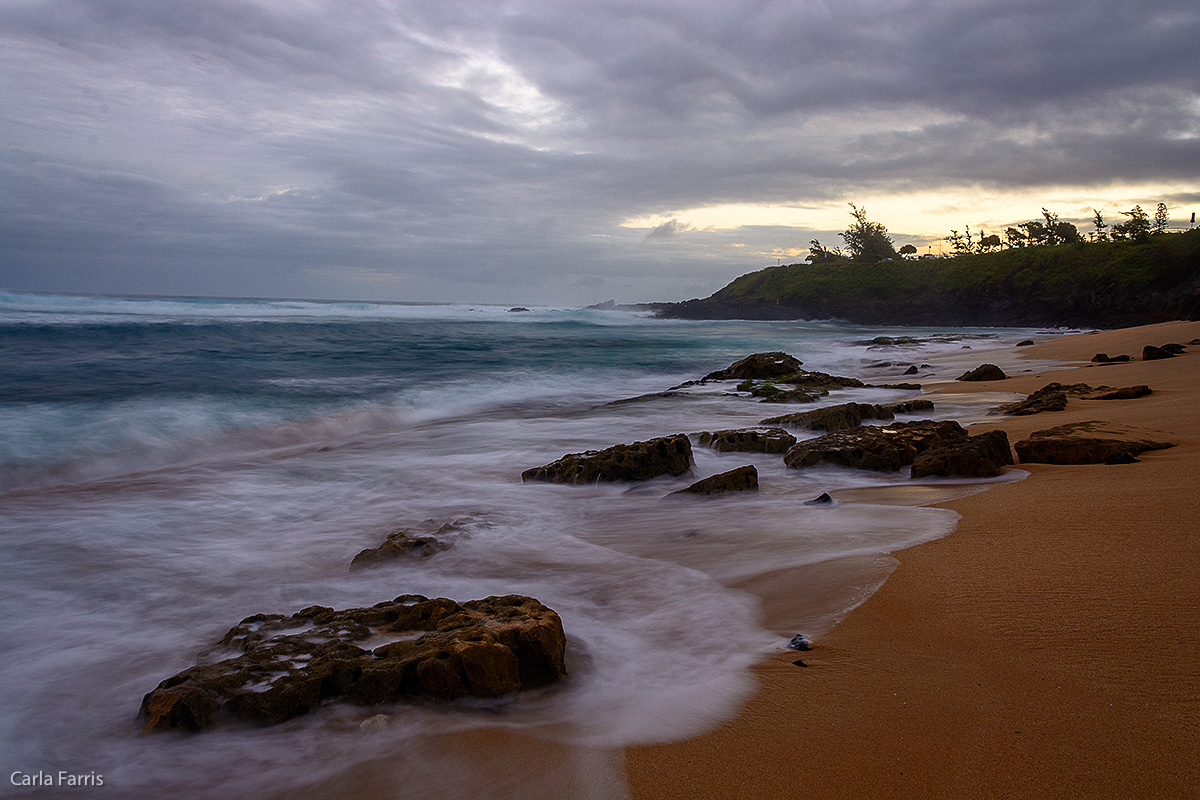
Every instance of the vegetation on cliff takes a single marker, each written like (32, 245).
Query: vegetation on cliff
(1104, 283)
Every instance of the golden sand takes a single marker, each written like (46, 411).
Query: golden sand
(1047, 648)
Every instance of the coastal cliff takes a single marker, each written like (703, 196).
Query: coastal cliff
(1105, 285)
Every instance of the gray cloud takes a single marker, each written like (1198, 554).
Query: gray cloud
(489, 151)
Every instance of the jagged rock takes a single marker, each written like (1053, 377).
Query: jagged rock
(770, 393)
(400, 543)
(1103, 358)
(833, 418)
(822, 499)
(667, 455)
(883, 449)
(748, 440)
(742, 479)
(912, 370)
(1174, 348)
(758, 365)
(1091, 442)
(1123, 393)
(847, 415)
(982, 456)
(1051, 397)
(281, 667)
(984, 372)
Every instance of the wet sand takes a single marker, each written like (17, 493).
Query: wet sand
(1046, 648)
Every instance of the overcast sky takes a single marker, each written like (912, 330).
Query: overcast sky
(540, 151)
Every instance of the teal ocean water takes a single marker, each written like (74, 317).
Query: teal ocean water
(169, 466)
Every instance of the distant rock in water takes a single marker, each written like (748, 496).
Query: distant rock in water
(640, 461)
(748, 440)
(984, 372)
(411, 647)
(742, 479)
(1092, 442)
(982, 456)
(874, 448)
(759, 365)
(517, 309)
(822, 499)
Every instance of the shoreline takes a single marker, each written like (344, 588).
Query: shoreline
(1042, 649)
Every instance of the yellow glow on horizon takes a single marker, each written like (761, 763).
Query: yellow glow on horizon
(932, 214)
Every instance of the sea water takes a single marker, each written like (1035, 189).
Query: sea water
(169, 466)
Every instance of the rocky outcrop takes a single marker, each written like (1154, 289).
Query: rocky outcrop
(401, 543)
(276, 667)
(1053, 397)
(1152, 353)
(748, 440)
(758, 365)
(884, 449)
(1091, 442)
(640, 461)
(742, 479)
(984, 372)
(806, 386)
(982, 456)
(847, 415)
(1104, 358)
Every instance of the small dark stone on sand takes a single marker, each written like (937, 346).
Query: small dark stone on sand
(799, 662)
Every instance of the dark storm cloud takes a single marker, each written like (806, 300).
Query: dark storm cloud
(488, 150)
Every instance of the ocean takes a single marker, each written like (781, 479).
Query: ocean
(169, 466)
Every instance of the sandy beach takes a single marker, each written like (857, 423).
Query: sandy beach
(1045, 649)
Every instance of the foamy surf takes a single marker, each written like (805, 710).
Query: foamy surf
(172, 468)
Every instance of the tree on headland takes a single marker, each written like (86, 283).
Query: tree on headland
(819, 253)
(1098, 220)
(1161, 218)
(1134, 229)
(867, 241)
(908, 250)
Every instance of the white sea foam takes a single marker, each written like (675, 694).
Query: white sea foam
(145, 526)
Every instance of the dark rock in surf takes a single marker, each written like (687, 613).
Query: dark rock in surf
(984, 372)
(640, 461)
(748, 440)
(847, 415)
(517, 309)
(281, 667)
(742, 479)
(1051, 397)
(912, 370)
(758, 365)
(982, 456)
(883, 449)
(821, 500)
(800, 642)
(1025, 343)
(1092, 442)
